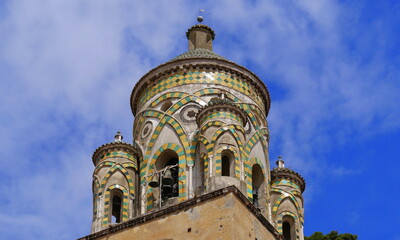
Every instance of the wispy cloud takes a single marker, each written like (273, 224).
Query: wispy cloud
(68, 67)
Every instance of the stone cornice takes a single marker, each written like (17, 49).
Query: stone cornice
(201, 26)
(115, 146)
(152, 77)
(288, 174)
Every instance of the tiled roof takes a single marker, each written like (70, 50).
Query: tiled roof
(198, 53)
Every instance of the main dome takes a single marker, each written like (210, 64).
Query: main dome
(201, 56)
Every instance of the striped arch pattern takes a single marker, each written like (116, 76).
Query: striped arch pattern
(211, 124)
(165, 119)
(280, 222)
(126, 174)
(168, 95)
(109, 164)
(232, 130)
(285, 182)
(219, 115)
(181, 173)
(96, 187)
(107, 204)
(101, 165)
(193, 146)
(218, 161)
(283, 196)
(210, 91)
(253, 140)
(249, 112)
(140, 120)
(248, 171)
(184, 101)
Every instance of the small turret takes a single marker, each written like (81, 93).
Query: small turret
(287, 187)
(115, 180)
(200, 36)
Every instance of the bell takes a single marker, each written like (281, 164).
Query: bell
(167, 178)
(167, 189)
(255, 193)
(154, 181)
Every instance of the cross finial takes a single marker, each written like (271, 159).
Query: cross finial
(118, 137)
(200, 18)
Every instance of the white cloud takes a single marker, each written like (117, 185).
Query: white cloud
(68, 68)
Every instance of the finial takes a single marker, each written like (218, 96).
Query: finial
(280, 163)
(118, 137)
(200, 18)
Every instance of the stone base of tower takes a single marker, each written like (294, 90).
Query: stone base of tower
(221, 214)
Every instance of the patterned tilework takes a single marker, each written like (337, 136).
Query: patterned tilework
(231, 129)
(284, 182)
(197, 139)
(282, 197)
(248, 171)
(110, 164)
(107, 204)
(167, 96)
(164, 119)
(113, 154)
(255, 138)
(213, 91)
(139, 120)
(124, 172)
(249, 110)
(150, 199)
(195, 77)
(214, 123)
(181, 174)
(219, 115)
(218, 161)
(96, 186)
(209, 150)
(184, 101)
(280, 222)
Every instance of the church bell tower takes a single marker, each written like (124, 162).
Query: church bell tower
(200, 142)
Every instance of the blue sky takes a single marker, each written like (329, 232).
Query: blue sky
(67, 69)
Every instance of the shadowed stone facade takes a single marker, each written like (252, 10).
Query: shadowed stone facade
(199, 126)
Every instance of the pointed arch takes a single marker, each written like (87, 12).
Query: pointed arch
(230, 129)
(255, 138)
(107, 204)
(282, 197)
(213, 91)
(184, 101)
(124, 172)
(181, 172)
(248, 171)
(167, 96)
(280, 222)
(218, 160)
(164, 119)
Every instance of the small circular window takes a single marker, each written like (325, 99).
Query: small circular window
(146, 130)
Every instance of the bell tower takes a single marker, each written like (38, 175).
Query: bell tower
(199, 166)
(201, 119)
(115, 183)
(287, 187)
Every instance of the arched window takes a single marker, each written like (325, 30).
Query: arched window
(116, 207)
(166, 105)
(257, 179)
(227, 164)
(169, 180)
(288, 228)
